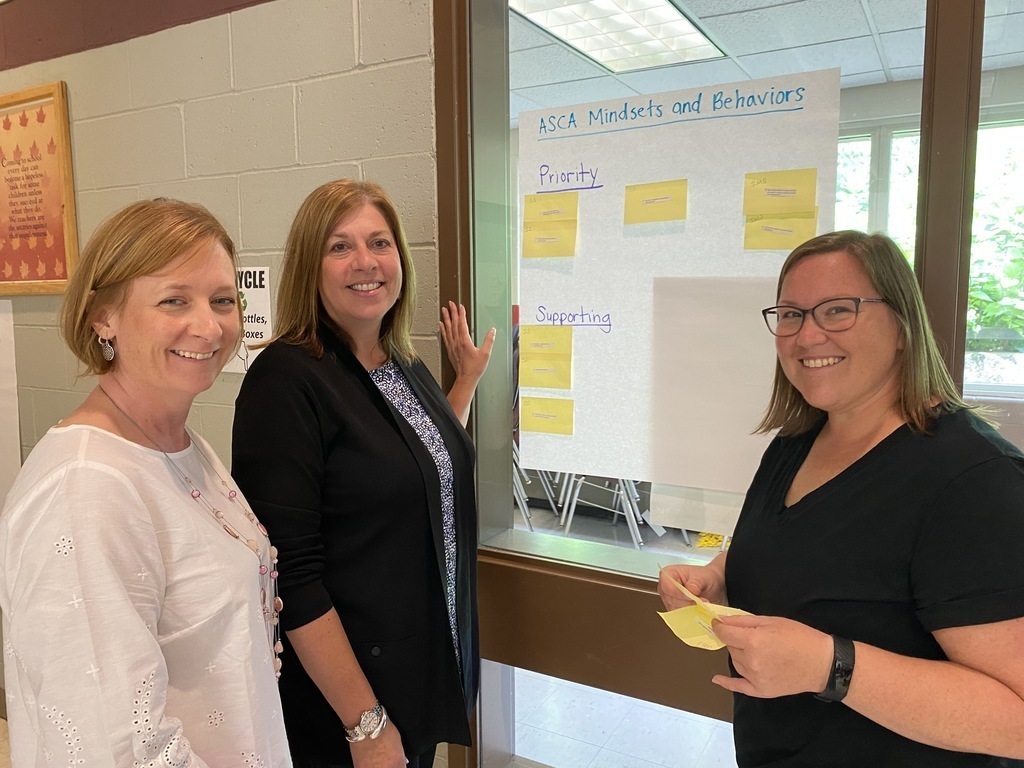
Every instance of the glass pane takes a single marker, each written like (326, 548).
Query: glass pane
(903, 164)
(853, 183)
(614, 466)
(564, 724)
(994, 362)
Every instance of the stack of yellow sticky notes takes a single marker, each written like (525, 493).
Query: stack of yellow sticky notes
(692, 623)
(705, 539)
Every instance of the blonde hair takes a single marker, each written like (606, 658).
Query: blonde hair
(138, 240)
(300, 310)
(925, 386)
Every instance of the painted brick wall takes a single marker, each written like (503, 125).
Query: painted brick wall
(245, 113)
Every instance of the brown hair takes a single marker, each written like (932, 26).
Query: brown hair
(925, 386)
(138, 240)
(300, 310)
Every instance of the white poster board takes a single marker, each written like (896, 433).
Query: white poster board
(10, 432)
(592, 256)
(257, 321)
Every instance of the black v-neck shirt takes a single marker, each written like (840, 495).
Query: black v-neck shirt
(924, 532)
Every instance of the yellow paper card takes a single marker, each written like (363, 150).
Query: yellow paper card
(548, 239)
(549, 371)
(779, 232)
(545, 356)
(558, 206)
(693, 627)
(660, 201)
(546, 414)
(692, 623)
(545, 339)
(780, 191)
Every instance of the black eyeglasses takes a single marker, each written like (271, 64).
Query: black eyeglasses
(831, 315)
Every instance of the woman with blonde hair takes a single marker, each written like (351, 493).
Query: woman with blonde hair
(137, 586)
(364, 471)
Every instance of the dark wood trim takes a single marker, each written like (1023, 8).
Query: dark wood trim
(40, 30)
(949, 135)
(454, 199)
(454, 188)
(593, 627)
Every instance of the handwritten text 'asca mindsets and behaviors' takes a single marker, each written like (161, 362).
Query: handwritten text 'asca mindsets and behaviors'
(719, 103)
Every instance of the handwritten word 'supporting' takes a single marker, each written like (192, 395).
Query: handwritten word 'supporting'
(581, 318)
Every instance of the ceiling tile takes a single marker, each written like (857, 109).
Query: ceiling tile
(1003, 34)
(550, 64)
(770, 37)
(523, 34)
(862, 78)
(683, 76)
(851, 56)
(1002, 61)
(788, 26)
(1000, 7)
(894, 15)
(518, 103)
(907, 73)
(703, 8)
(904, 49)
(582, 91)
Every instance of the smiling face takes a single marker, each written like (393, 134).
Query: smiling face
(361, 273)
(176, 329)
(845, 372)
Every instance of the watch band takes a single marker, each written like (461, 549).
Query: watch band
(843, 657)
(371, 724)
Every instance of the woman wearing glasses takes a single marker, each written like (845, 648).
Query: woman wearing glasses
(875, 638)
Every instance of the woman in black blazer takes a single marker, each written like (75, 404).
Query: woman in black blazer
(362, 469)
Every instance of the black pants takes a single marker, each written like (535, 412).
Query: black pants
(426, 760)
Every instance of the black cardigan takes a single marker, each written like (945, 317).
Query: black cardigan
(352, 500)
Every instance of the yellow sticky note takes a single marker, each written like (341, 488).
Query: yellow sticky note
(692, 623)
(549, 371)
(659, 201)
(779, 232)
(558, 206)
(548, 239)
(693, 627)
(780, 191)
(545, 339)
(546, 414)
(545, 356)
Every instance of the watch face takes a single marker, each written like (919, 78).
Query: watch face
(369, 720)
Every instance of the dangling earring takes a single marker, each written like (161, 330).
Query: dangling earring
(106, 348)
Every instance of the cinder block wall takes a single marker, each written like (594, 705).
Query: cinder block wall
(245, 113)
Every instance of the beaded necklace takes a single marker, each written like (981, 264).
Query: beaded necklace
(267, 570)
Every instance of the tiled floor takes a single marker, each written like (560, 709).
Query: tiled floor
(566, 725)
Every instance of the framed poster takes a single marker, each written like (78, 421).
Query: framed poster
(38, 230)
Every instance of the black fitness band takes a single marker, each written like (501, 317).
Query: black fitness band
(838, 685)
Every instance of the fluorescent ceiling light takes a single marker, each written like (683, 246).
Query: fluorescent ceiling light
(621, 35)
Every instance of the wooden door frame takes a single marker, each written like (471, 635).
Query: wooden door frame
(600, 628)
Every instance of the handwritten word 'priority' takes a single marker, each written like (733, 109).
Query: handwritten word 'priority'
(574, 178)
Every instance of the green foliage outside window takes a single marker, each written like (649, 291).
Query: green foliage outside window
(995, 301)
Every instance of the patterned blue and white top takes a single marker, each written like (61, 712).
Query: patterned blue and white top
(393, 385)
